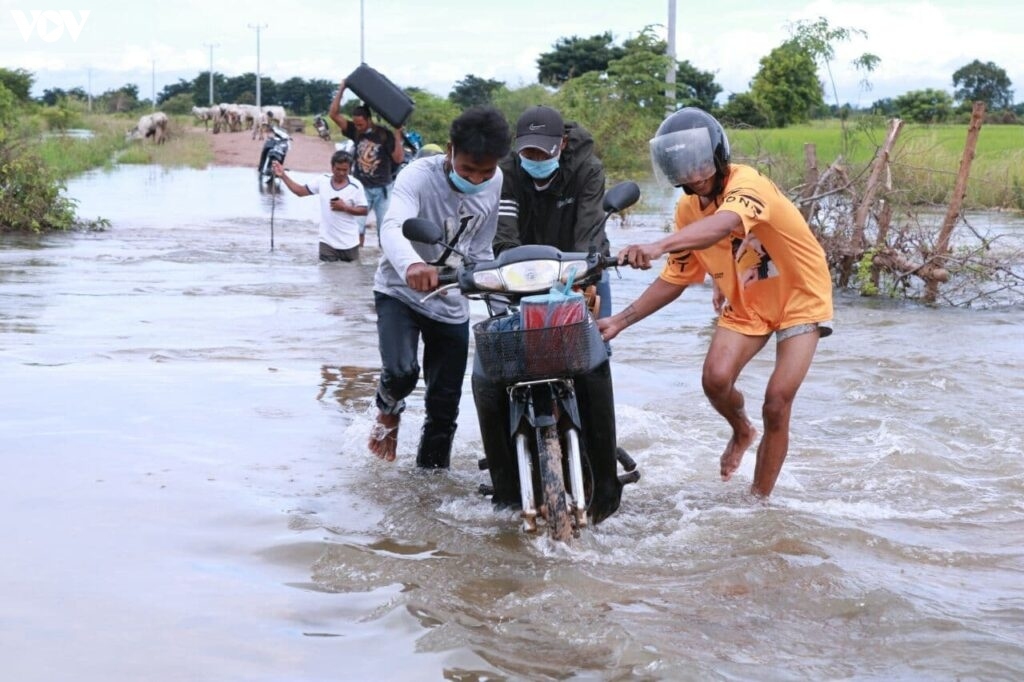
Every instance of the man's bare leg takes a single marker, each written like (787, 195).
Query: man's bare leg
(792, 360)
(729, 353)
(384, 436)
(736, 448)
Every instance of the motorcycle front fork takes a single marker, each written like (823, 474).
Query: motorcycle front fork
(540, 403)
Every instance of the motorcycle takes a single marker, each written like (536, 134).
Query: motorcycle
(275, 148)
(321, 127)
(542, 380)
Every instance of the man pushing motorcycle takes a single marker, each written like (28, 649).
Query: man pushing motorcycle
(770, 276)
(459, 191)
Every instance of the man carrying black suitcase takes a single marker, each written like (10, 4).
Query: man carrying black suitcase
(377, 154)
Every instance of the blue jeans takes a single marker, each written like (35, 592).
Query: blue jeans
(377, 200)
(604, 290)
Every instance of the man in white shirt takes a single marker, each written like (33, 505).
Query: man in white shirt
(341, 200)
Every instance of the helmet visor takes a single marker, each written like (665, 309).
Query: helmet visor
(683, 157)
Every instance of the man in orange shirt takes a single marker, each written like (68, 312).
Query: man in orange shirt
(769, 275)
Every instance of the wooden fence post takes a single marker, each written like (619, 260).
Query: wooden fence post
(860, 218)
(938, 256)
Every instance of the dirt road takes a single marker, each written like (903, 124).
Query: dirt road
(308, 153)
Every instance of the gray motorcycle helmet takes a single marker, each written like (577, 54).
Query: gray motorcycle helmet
(690, 146)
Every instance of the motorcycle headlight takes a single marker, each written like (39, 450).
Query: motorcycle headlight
(527, 277)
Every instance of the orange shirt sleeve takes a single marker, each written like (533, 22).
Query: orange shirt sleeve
(683, 268)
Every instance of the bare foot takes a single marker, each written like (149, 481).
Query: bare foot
(384, 436)
(735, 448)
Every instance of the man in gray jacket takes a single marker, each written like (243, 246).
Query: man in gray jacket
(458, 191)
(552, 190)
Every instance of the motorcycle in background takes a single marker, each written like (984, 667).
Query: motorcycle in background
(542, 380)
(320, 123)
(275, 148)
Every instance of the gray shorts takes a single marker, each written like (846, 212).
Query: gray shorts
(823, 329)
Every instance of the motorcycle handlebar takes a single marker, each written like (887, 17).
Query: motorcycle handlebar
(447, 276)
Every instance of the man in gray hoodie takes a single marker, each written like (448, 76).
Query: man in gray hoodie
(458, 191)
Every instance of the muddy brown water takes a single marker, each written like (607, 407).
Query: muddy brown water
(187, 494)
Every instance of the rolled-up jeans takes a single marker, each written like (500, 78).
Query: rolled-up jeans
(377, 200)
(445, 353)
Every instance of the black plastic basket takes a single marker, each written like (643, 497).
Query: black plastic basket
(527, 354)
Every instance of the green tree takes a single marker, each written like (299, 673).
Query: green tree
(30, 193)
(817, 38)
(181, 103)
(621, 130)
(53, 95)
(319, 92)
(884, 107)
(18, 82)
(201, 88)
(293, 95)
(432, 116)
(572, 57)
(924, 106)
(786, 87)
(743, 109)
(512, 103)
(125, 98)
(182, 87)
(639, 76)
(988, 83)
(695, 88)
(627, 102)
(473, 91)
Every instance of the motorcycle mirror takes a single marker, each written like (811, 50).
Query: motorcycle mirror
(621, 196)
(422, 230)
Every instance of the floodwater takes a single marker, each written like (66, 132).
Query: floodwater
(187, 494)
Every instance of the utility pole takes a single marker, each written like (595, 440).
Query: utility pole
(670, 72)
(153, 80)
(211, 46)
(258, 77)
(362, 41)
(89, 94)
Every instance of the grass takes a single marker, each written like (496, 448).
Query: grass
(68, 156)
(180, 148)
(925, 162)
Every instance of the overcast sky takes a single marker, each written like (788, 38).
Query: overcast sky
(434, 43)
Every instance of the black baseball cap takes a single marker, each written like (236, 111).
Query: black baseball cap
(540, 127)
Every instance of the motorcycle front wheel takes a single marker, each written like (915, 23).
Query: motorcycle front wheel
(549, 459)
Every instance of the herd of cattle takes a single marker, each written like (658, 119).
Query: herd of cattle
(237, 117)
(225, 117)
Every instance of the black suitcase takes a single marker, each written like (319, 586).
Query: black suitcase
(380, 94)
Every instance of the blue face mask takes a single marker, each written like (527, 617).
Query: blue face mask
(538, 170)
(461, 183)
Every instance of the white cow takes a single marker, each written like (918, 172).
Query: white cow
(205, 114)
(275, 113)
(227, 116)
(151, 125)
